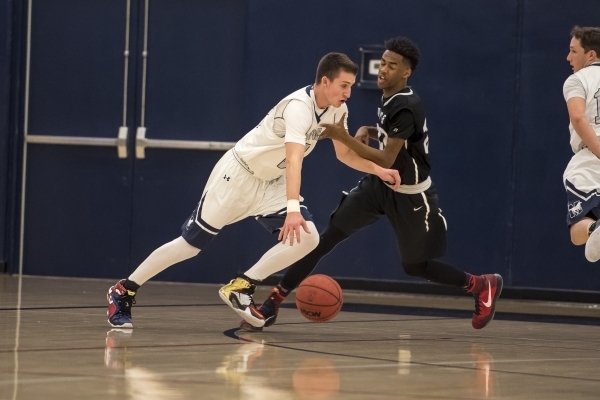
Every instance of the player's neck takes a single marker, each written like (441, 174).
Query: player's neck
(592, 62)
(389, 92)
(320, 98)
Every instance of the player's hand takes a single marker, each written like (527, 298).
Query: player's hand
(335, 131)
(362, 135)
(389, 176)
(291, 228)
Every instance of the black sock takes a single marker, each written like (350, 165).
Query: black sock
(438, 272)
(282, 291)
(252, 281)
(591, 227)
(130, 285)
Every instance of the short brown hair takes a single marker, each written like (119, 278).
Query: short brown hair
(332, 64)
(589, 37)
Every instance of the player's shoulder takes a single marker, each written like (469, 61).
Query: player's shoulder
(300, 94)
(298, 100)
(591, 73)
(574, 80)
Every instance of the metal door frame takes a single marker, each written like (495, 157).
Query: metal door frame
(121, 141)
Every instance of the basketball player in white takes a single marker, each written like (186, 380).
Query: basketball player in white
(582, 175)
(260, 177)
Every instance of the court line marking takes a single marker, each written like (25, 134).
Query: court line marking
(390, 364)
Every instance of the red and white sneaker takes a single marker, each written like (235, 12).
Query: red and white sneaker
(120, 301)
(269, 310)
(486, 289)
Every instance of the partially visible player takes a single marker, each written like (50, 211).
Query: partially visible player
(259, 177)
(412, 209)
(582, 175)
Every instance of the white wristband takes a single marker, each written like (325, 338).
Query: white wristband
(293, 206)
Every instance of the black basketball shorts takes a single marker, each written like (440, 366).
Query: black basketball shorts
(416, 218)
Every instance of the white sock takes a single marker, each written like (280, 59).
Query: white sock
(283, 255)
(166, 255)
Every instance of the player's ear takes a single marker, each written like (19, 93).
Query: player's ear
(325, 81)
(407, 73)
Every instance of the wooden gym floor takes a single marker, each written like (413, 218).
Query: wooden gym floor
(55, 343)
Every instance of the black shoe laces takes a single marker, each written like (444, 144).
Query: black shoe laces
(268, 308)
(477, 309)
(125, 303)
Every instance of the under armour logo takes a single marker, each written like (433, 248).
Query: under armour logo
(227, 178)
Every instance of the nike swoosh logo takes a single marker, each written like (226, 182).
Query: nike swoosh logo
(418, 208)
(489, 301)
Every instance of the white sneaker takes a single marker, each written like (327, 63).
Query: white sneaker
(592, 246)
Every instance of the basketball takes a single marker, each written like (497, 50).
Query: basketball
(319, 298)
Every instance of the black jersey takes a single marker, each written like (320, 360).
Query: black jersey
(402, 116)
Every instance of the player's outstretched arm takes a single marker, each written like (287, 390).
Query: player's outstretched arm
(384, 158)
(294, 153)
(353, 160)
(576, 108)
(366, 133)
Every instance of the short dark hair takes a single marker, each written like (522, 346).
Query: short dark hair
(406, 48)
(332, 64)
(589, 37)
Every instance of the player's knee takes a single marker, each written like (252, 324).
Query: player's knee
(578, 234)
(183, 249)
(417, 270)
(578, 240)
(311, 240)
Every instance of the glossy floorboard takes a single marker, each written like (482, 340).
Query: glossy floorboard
(55, 343)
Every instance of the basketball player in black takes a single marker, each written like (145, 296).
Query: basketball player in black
(412, 209)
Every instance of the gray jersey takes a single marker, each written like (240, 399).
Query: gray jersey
(295, 119)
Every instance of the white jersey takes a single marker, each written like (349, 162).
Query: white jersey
(585, 83)
(294, 119)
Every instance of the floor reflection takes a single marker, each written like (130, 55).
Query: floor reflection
(261, 376)
(316, 378)
(484, 361)
(140, 383)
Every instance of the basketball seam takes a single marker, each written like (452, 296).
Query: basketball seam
(318, 305)
(333, 281)
(319, 287)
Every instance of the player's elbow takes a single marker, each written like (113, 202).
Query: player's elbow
(342, 154)
(386, 162)
(578, 120)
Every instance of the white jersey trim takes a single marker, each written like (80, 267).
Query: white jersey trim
(398, 94)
